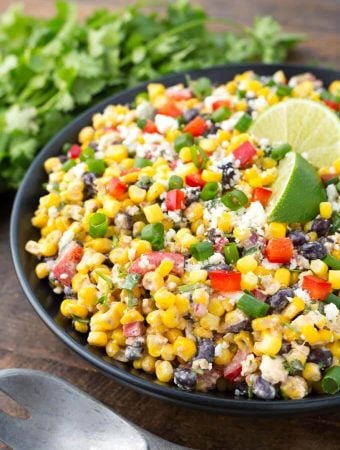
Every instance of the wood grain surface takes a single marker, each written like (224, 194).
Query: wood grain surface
(26, 342)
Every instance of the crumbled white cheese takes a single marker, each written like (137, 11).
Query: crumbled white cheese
(78, 170)
(144, 262)
(65, 239)
(220, 347)
(216, 259)
(333, 197)
(253, 217)
(269, 265)
(53, 212)
(249, 365)
(174, 216)
(272, 369)
(331, 312)
(258, 104)
(301, 293)
(132, 210)
(145, 111)
(165, 123)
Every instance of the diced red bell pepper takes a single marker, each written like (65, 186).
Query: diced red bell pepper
(224, 281)
(196, 127)
(74, 151)
(262, 195)
(150, 127)
(327, 177)
(133, 329)
(194, 180)
(279, 250)
(245, 153)
(64, 268)
(150, 261)
(223, 102)
(174, 200)
(117, 188)
(179, 94)
(170, 109)
(234, 368)
(317, 288)
(332, 104)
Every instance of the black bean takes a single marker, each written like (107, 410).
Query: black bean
(213, 234)
(213, 129)
(228, 174)
(93, 145)
(206, 350)
(124, 221)
(263, 389)
(90, 190)
(210, 267)
(321, 226)
(313, 250)
(63, 158)
(133, 352)
(240, 326)
(298, 238)
(190, 114)
(241, 389)
(320, 356)
(279, 300)
(185, 379)
(191, 195)
(285, 347)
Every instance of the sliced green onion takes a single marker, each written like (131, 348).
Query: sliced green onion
(96, 166)
(183, 140)
(209, 190)
(131, 281)
(79, 319)
(199, 157)
(154, 233)
(65, 148)
(188, 287)
(283, 90)
(202, 250)
(338, 187)
(87, 153)
(221, 114)
(335, 222)
(280, 152)
(201, 87)
(241, 93)
(141, 97)
(332, 262)
(243, 123)
(252, 306)
(144, 182)
(234, 199)
(98, 225)
(141, 123)
(331, 181)
(231, 253)
(331, 381)
(332, 298)
(68, 165)
(115, 240)
(175, 182)
(270, 83)
(141, 162)
(107, 279)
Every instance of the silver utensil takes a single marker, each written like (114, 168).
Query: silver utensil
(62, 417)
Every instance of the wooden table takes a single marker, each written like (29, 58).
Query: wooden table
(26, 342)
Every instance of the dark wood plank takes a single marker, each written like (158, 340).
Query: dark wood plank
(26, 342)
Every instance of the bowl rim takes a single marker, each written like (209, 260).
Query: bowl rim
(204, 401)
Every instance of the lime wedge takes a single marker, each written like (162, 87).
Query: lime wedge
(297, 191)
(308, 126)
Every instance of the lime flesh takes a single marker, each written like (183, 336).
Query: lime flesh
(297, 191)
(308, 126)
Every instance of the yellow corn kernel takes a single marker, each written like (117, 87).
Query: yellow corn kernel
(200, 295)
(249, 281)
(87, 296)
(335, 349)
(48, 248)
(148, 364)
(312, 235)
(244, 340)
(241, 233)
(118, 337)
(270, 343)
(81, 327)
(131, 177)
(334, 278)
(164, 298)
(155, 343)
(201, 332)
(52, 164)
(185, 154)
(326, 210)
(209, 146)
(182, 304)
(50, 200)
(184, 348)
(267, 322)
(111, 207)
(131, 315)
(269, 176)
(198, 276)
(223, 136)
(277, 230)
(210, 175)
(155, 190)
(164, 371)
(210, 322)
(39, 221)
(187, 240)
(334, 87)
(294, 308)
(225, 222)
(173, 334)
(303, 89)
(41, 270)
(119, 256)
(69, 308)
(165, 267)
(137, 363)
(116, 153)
(101, 245)
(282, 275)
(310, 333)
(311, 372)
(137, 194)
(79, 280)
(155, 89)
(269, 163)
(294, 277)
(170, 317)
(224, 355)
(152, 281)
(216, 307)
(85, 135)
(336, 253)
(186, 169)
(141, 246)
(290, 335)
(246, 264)
(241, 105)
(319, 267)
(197, 229)
(194, 211)
(112, 348)
(294, 388)
(97, 338)
(153, 213)
(336, 165)
(167, 352)
(272, 98)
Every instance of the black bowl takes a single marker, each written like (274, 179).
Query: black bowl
(46, 304)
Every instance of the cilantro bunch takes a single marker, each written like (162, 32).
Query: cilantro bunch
(52, 69)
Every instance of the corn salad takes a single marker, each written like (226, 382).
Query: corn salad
(154, 232)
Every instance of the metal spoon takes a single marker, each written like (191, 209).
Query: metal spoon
(62, 417)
